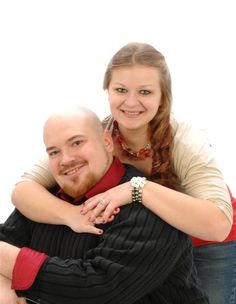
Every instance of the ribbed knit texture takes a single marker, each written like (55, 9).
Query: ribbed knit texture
(139, 259)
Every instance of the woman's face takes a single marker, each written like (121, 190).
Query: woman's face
(134, 95)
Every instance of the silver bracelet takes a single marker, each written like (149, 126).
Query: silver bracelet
(137, 183)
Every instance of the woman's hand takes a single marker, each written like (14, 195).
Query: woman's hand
(81, 223)
(106, 204)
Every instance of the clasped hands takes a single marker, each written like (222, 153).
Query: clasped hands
(106, 205)
(99, 209)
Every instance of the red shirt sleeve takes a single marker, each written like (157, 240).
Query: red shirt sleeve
(26, 268)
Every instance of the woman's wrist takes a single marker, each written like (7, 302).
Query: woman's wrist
(64, 212)
(137, 183)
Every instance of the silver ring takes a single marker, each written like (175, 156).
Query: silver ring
(103, 202)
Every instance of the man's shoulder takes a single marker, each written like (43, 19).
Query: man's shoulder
(135, 220)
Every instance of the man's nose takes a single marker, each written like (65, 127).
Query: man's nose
(67, 158)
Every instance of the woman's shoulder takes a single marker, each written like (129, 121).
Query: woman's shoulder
(190, 147)
(187, 135)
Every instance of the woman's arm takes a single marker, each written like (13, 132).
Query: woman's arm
(202, 208)
(203, 212)
(32, 198)
(197, 217)
(38, 204)
(200, 218)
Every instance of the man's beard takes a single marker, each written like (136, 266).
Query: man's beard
(76, 188)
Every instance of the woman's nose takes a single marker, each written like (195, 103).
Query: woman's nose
(131, 99)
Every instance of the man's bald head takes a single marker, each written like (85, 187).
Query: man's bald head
(80, 151)
(79, 114)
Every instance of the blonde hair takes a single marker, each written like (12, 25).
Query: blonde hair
(161, 131)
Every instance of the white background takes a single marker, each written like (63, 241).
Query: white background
(55, 53)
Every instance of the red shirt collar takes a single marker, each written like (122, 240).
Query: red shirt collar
(111, 179)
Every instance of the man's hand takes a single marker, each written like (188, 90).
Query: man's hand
(8, 295)
(8, 255)
(21, 301)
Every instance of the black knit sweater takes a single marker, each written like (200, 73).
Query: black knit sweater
(139, 259)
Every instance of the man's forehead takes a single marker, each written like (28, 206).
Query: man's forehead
(63, 127)
(66, 124)
(62, 132)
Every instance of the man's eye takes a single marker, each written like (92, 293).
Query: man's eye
(76, 143)
(121, 90)
(144, 92)
(52, 153)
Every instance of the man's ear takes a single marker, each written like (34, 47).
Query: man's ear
(108, 140)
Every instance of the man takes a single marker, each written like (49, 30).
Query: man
(138, 258)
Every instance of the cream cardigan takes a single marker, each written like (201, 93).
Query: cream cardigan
(193, 162)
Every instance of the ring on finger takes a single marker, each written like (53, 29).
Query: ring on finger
(103, 202)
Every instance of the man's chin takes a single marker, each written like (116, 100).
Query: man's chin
(79, 189)
(74, 192)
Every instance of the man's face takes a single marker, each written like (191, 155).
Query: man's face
(79, 155)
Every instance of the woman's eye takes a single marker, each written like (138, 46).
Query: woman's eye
(121, 90)
(144, 92)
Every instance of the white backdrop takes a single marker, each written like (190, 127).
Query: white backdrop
(55, 52)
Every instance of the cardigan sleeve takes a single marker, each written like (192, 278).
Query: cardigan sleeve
(39, 173)
(134, 256)
(197, 169)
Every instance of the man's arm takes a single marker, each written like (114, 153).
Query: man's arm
(8, 255)
(7, 295)
(16, 230)
(136, 254)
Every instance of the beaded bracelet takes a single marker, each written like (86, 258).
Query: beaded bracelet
(137, 184)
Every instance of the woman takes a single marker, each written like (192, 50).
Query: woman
(184, 185)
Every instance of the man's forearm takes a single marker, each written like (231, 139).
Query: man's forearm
(8, 255)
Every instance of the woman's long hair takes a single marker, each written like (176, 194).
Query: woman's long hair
(161, 134)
